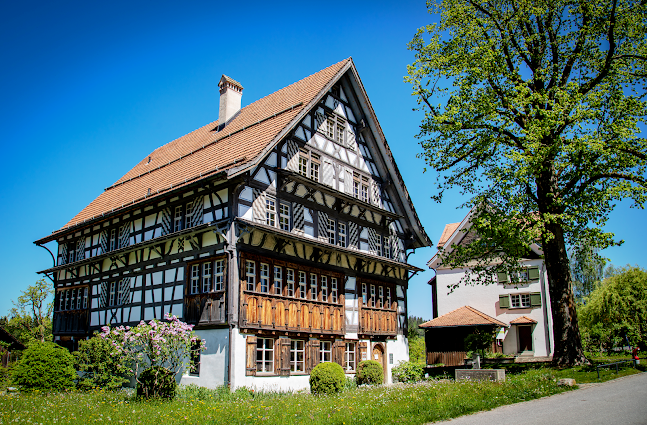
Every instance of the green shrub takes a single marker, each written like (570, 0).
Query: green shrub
(369, 372)
(407, 372)
(100, 369)
(44, 366)
(156, 382)
(327, 378)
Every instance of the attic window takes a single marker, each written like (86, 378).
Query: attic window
(335, 128)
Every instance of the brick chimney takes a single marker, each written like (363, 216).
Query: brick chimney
(231, 93)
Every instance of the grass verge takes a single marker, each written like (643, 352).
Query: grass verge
(407, 404)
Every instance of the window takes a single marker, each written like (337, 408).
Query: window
(290, 281)
(325, 351)
(270, 210)
(520, 300)
(112, 292)
(364, 294)
(349, 356)
(284, 219)
(85, 297)
(177, 219)
(378, 243)
(189, 215)
(206, 277)
(372, 295)
(341, 240)
(297, 356)
(265, 277)
(278, 280)
(302, 285)
(250, 272)
(309, 164)
(113, 240)
(313, 286)
(303, 163)
(324, 288)
(388, 298)
(73, 299)
(195, 278)
(335, 128)
(219, 274)
(360, 187)
(364, 189)
(315, 163)
(264, 355)
(71, 256)
(194, 365)
(380, 300)
(333, 289)
(331, 231)
(387, 247)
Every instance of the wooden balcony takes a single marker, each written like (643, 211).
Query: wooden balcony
(70, 322)
(205, 309)
(377, 321)
(277, 312)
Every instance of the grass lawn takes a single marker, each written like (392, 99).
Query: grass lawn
(407, 404)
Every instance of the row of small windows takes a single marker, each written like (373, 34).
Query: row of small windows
(265, 355)
(207, 277)
(73, 299)
(378, 297)
(278, 280)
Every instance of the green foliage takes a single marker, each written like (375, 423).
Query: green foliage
(617, 310)
(369, 372)
(31, 318)
(413, 329)
(327, 378)
(44, 366)
(533, 110)
(407, 372)
(479, 341)
(99, 367)
(156, 382)
(587, 270)
(417, 353)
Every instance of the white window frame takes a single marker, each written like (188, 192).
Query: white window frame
(380, 298)
(284, 216)
(265, 355)
(112, 293)
(303, 285)
(289, 278)
(195, 279)
(372, 296)
(331, 231)
(379, 245)
(341, 239)
(250, 273)
(218, 274)
(188, 217)
(350, 356)
(112, 244)
(314, 290)
(325, 351)
(388, 297)
(297, 351)
(85, 297)
(265, 278)
(207, 281)
(177, 219)
(278, 280)
(364, 294)
(324, 289)
(520, 301)
(270, 211)
(333, 289)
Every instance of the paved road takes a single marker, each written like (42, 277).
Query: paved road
(620, 401)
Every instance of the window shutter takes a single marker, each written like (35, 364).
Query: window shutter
(533, 273)
(535, 299)
(284, 355)
(312, 354)
(502, 277)
(504, 301)
(338, 353)
(251, 355)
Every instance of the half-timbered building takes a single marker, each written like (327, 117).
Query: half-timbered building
(281, 231)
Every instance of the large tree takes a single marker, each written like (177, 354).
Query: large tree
(532, 108)
(31, 318)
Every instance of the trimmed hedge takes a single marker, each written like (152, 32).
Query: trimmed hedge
(157, 382)
(327, 378)
(44, 366)
(369, 372)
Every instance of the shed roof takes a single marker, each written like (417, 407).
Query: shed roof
(463, 316)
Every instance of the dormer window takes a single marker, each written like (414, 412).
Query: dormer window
(336, 128)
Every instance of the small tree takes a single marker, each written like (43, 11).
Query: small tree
(44, 366)
(98, 366)
(155, 344)
(31, 318)
(480, 340)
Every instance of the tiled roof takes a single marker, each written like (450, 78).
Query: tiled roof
(205, 151)
(463, 316)
(447, 232)
(523, 320)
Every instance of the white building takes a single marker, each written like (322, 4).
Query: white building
(280, 231)
(524, 306)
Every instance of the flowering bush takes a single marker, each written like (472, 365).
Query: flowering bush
(100, 369)
(407, 372)
(156, 343)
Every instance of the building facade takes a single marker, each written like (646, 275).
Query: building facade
(280, 231)
(520, 303)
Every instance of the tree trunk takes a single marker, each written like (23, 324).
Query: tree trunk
(566, 331)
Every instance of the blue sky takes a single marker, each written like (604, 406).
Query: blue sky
(90, 88)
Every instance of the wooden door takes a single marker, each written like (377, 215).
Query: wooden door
(378, 356)
(525, 338)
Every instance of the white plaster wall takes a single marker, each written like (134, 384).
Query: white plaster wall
(485, 298)
(400, 350)
(213, 360)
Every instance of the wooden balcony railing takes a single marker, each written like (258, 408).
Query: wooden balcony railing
(70, 322)
(276, 312)
(377, 321)
(205, 309)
